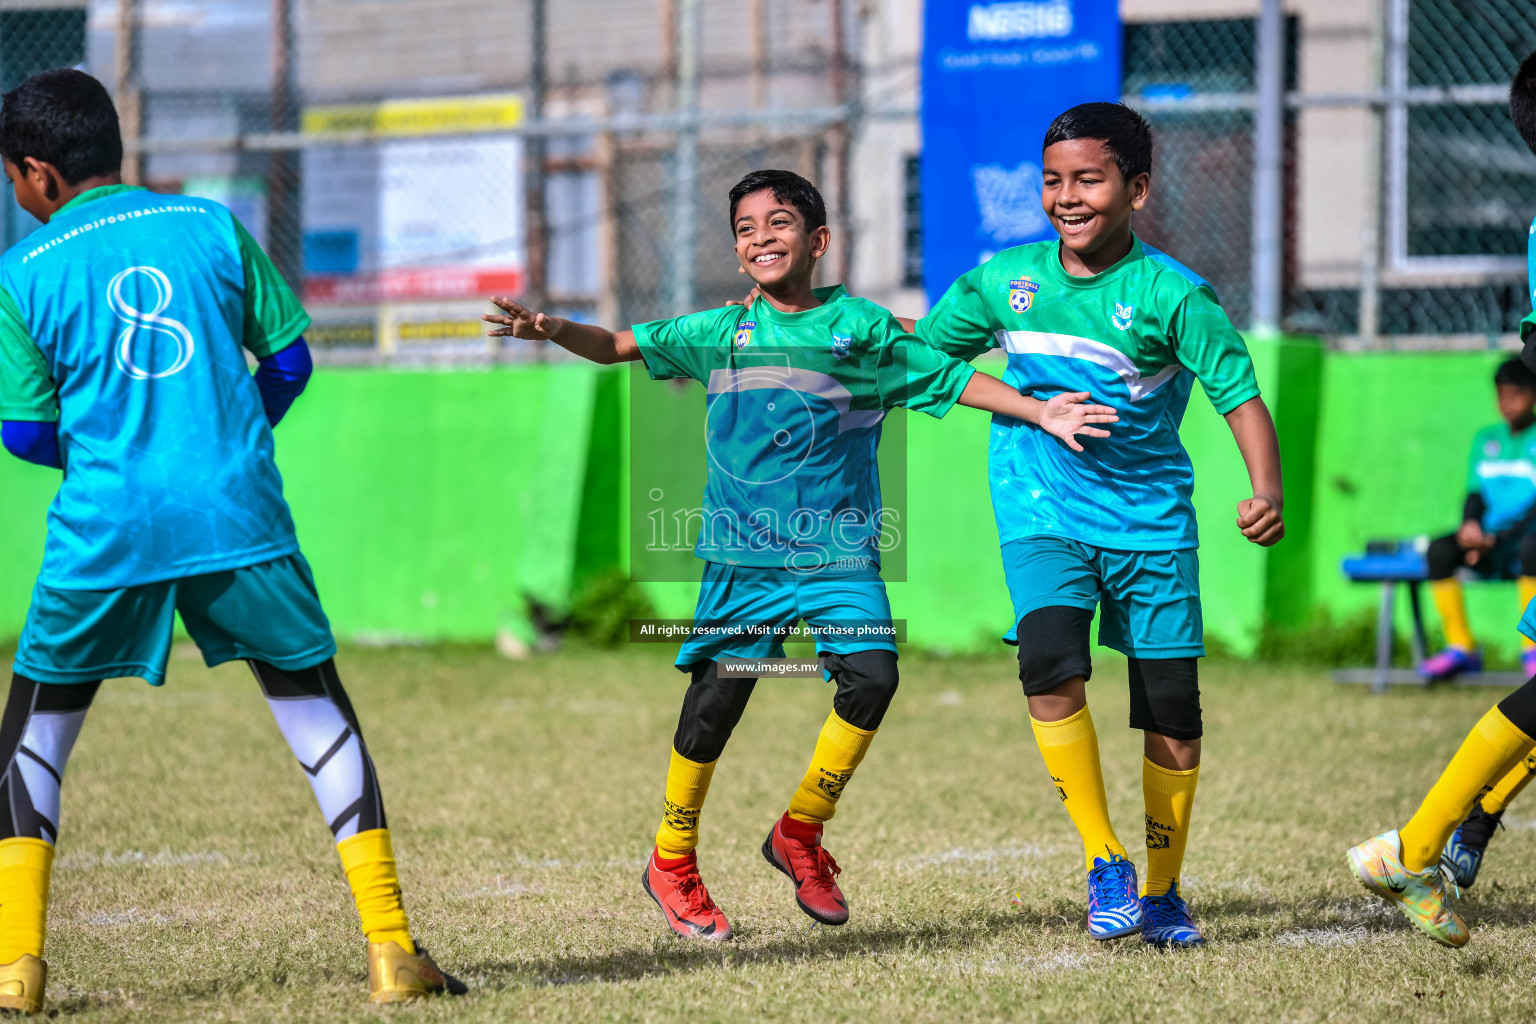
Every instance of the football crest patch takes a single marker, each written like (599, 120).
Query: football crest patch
(840, 346)
(744, 333)
(1021, 294)
(1122, 316)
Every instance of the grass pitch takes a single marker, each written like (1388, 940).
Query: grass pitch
(196, 882)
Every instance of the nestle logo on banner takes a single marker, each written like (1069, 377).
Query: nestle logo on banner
(1049, 19)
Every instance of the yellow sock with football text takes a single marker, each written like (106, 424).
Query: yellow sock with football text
(1452, 606)
(1170, 797)
(368, 858)
(687, 786)
(25, 867)
(1509, 787)
(839, 749)
(1070, 748)
(1491, 749)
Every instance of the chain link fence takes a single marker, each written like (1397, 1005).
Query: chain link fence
(397, 201)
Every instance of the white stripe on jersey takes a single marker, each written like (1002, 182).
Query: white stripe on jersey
(1070, 346)
(796, 378)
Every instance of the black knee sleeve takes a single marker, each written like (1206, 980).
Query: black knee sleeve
(1445, 557)
(866, 682)
(711, 708)
(1520, 708)
(1165, 696)
(1053, 648)
(1528, 555)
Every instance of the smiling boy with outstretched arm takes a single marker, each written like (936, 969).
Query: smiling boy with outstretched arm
(797, 386)
(1110, 525)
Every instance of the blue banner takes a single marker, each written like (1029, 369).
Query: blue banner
(994, 77)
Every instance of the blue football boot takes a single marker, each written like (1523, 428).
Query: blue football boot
(1113, 907)
(1463, 854)
(1168, 921)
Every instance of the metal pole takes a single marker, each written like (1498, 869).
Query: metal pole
(534, 148)
(1268, 181)
(125, 86)
(686, 169)
(283, 239)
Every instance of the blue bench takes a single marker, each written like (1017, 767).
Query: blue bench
(1390, 564)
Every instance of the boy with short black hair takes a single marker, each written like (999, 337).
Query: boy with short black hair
(1111, 525)
(798, 383)
(1497, 537)
(1408, 866)
(122, 322)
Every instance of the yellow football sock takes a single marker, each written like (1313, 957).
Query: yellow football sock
(1170, 798)
(687, 786)
(369, 861)
(25, 866)
(1509, 787)
(839, 749)
(1070, 748)
(1527, 587)
(1490, 750)
(1453, 613)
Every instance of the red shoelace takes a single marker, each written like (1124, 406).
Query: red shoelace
(813, 864)
(695, 897)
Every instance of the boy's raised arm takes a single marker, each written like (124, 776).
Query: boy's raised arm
(586, 340)
(1259, 517)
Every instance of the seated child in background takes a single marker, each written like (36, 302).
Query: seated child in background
(1497, 538)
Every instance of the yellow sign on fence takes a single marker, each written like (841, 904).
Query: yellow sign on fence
(450, 115)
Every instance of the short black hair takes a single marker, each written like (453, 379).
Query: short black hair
(1516, 374)
(787, 187)
(1522, 101)
(65, 118)
(1124, 133)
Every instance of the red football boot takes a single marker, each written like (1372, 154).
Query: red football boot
(679, 892)
(794, 847)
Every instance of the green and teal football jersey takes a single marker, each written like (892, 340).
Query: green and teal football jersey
(795, 403)
(124, 318)
(1135, 337)
(1503, 470)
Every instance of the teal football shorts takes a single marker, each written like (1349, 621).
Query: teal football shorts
(744, 610)
(1148, 601)
(268, 612)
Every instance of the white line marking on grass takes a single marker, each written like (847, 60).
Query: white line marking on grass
(504, 887)
(133, 916)
(138, 858)
(963, 857)
(1326, 937)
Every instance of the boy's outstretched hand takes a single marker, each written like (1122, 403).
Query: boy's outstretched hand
(521, 323)
(1259, 519)
(1068, 414)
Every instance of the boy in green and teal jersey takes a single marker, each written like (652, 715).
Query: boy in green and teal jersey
(1110, 526)
(1497, 536)
(797, 385)
(124, 323)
